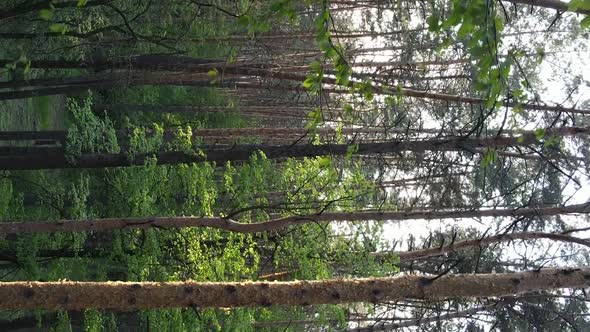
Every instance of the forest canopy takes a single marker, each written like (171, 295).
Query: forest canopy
(284, 165)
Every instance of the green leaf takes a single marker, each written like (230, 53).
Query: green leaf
(213, 73)
(578, 4)
(490, 157)
(499, 24)
(316, 66)
(540, 133)
(308, 83)
(324, 162)
(350, 150)
(453, 20)
(46, 14)
(465, 29)
(81, 3)
(505, 71)
(348, 109)
(585, 22)
(433, 23)
(244, 20)
(445, 43)
(58, 27)
(324, 44)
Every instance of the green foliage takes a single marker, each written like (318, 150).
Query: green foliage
(490, 157)
(253, 191)
(574, 5)
(315, 119)
(480, 27)
(93, 321)
(63, 322)
(364, 88)
(313, 81)
(58, 27)
(88, 133)
(46, 14)
(145, 140)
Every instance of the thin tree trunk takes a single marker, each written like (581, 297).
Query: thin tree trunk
(101, 225)
(407, 91)
(142, 61)
(467, 244)
(285, 132)
(243, 152)
(192, 65)
(305, 35)
(57, 135)
(32, 6)
(28, 150)
(552, 4)
(127, 296)
(420, 321)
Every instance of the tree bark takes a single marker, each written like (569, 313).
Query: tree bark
(552, 4)
(51, 160)
(57, 135)
(302, 35)
(43, 4)
(466, 244)
(127, 296)
(195, 65)
(420, 321)
(108, 224)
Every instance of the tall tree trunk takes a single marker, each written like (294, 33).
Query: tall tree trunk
(552, 4)
(57, 135)
(307, 35)
(100, 225)
(475, 243)
(420, 321)
(33, 6)
(193, 66)
(286, 132)
(51, 160)
(127, 296)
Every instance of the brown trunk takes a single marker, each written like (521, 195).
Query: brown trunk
(127, 296)
(29, 7)
(307, 35)
(467, 244)
(203, 132)
(55, 135)
(243, 152)
(407, 91)
(552, 4)
(420, 321)
(193, 66)
(99, 225)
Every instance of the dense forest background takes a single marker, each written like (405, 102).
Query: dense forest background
(368, 165)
